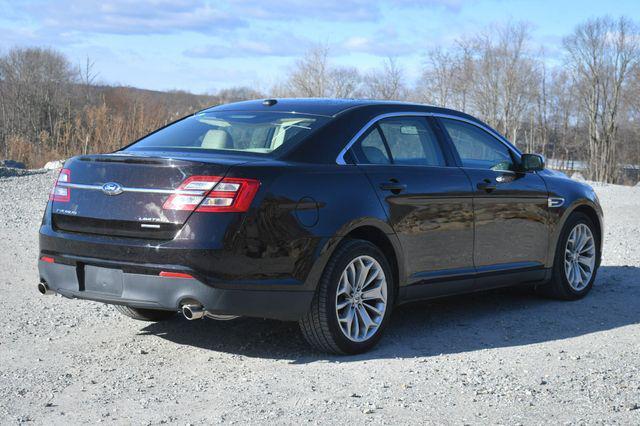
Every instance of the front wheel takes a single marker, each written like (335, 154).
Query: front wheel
(353, 301)
(577, 260)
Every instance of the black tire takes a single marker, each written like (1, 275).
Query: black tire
(141, 314)
(320, 325)
(558, 287)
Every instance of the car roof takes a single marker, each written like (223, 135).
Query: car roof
(319, 106)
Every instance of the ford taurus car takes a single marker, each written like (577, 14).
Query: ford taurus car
(326, 212)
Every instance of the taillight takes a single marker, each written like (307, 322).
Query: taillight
(61, 193)
(168, 274)
(48, 259)
(213, 194)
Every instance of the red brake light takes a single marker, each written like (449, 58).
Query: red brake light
(174, 275)
(61, 193)
(47, 259)
(213, 194)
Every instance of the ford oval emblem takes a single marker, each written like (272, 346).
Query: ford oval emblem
(112, 188)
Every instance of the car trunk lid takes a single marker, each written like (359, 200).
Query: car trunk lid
(124, 195)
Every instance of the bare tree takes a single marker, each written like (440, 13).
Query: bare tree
(313, 76)
(34, 92)
(310, 77)
(86, 73)
(439, 78)
(505, 78)
(87, 77)
(344, 82)
(632, 100)
(492, 75)
(600, 54)
(587, 108)
(50, 109)
(388, 82)
(236, 94)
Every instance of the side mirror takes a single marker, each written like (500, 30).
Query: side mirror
(532, 162)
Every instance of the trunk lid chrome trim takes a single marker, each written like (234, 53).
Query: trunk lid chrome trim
(131, 189)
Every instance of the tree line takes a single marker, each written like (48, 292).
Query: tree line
(580, 105)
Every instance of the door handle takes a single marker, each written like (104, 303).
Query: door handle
(395, 187)
(487, 185)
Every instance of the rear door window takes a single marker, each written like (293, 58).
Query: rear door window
(411, 141)
(400, 140)
(373, 149)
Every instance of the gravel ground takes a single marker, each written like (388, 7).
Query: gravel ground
(498, 357)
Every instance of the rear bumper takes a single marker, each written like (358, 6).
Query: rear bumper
(238, 264)
(155, 292)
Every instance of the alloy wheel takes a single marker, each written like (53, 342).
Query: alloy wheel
(361, 298)
(579, 257)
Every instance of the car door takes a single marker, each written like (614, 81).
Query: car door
(510, 207)
(427, 199)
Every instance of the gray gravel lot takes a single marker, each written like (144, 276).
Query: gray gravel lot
(499, 357)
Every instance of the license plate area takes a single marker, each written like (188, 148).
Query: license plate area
(103, 280)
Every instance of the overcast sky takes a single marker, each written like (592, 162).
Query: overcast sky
(203, 46)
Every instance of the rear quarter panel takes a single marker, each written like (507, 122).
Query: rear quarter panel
(301, 213)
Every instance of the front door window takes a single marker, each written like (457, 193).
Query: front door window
(478, 149)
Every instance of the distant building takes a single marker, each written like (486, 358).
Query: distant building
(629, 173)
(567, 166)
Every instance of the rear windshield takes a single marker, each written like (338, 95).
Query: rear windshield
(251, 132)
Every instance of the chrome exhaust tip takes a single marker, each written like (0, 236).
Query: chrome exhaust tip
(193, 312)
(44, 289)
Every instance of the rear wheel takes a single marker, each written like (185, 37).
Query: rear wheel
(145, 314)
(576, 262)
(353, 301)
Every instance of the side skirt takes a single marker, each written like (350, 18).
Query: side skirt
(450, 286)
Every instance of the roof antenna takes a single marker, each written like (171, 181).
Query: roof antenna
(269, 102)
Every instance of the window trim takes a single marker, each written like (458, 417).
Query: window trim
(340, 158)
